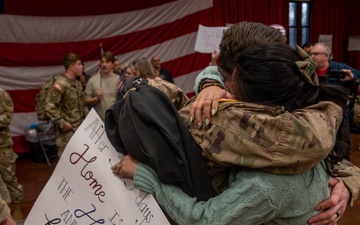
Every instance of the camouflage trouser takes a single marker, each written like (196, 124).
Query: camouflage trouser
(4, 192)
(5, 199)
(4, 210)
(8, 172)
(62, 138)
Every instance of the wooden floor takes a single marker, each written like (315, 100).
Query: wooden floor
(33, 176)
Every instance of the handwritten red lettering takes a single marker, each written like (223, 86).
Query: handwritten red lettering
(88, 174)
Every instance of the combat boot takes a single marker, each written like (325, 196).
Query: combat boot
(16, 212)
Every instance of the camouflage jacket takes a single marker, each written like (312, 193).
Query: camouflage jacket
(65, 103)
(176, 95)
(6, 111)
(350, 174)
(269, 138)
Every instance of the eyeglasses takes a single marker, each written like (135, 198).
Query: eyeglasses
(317, 53)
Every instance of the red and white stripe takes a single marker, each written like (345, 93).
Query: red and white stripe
(33, 48)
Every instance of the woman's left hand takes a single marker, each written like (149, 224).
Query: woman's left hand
(126, 167)
(333, 207)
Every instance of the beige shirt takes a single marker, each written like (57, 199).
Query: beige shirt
(109, 85)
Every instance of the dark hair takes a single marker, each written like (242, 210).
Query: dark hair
(70, 58)
(307, 44)
(108, 56)
(242, 35)
(267, 74)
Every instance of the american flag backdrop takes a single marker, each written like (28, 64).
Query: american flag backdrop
(32, 48)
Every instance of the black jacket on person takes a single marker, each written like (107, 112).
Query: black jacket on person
(146, 125)
(166, 75)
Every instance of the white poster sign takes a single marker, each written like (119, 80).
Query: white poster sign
(354, 43)
(84, 191)
(326, 38)
(208, 39)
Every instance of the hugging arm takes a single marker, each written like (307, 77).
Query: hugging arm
(221, 210)
(345, 189)
(205, 106)
(253, 197)
(232, 207)
(209, 88)
(334, 207)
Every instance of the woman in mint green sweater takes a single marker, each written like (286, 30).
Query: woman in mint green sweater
(255, 196)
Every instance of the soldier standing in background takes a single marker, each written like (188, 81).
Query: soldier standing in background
(8, 156)
(5, 199)
(65, 104)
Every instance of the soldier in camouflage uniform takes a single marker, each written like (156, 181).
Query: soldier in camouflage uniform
(235, 40)
(5, 199)
(176, 95)
(65, 104)
(8, 156)
(271, 138)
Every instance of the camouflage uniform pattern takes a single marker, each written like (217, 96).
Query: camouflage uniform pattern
(4, 210)
(4, 201)
(7, 155)
(65, 103)
(267, 138)
(350, 174)
(176, 95)
(6, 111)
(4, 192)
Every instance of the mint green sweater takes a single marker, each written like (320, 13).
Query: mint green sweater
(253, 197)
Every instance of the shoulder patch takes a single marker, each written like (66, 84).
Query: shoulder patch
(54, 94)
(8, 102)
(58, 86)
